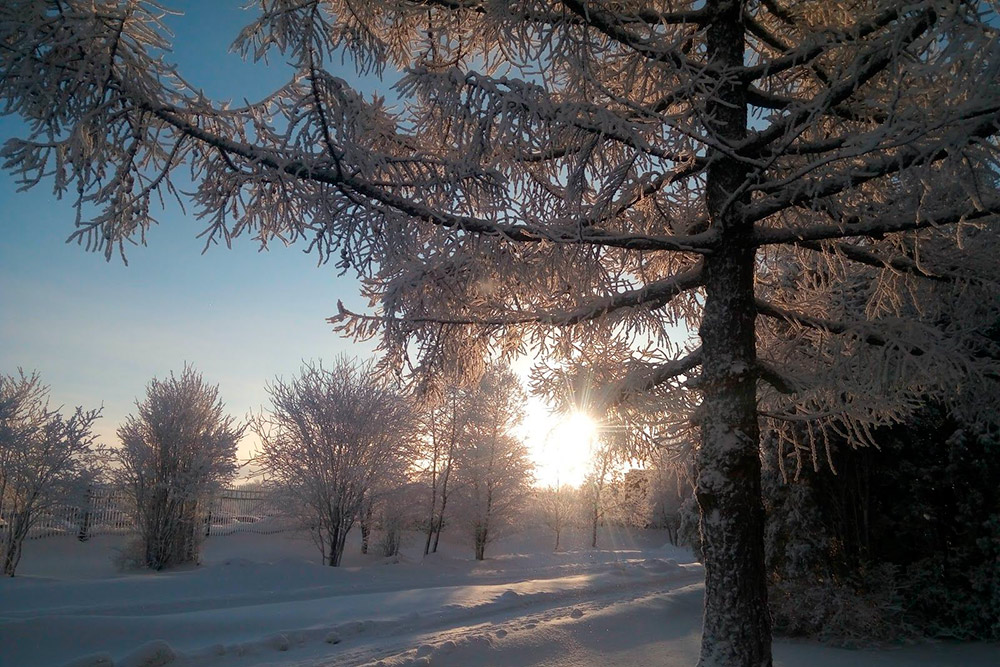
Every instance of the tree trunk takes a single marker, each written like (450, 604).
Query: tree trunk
(367, 518)
(434, 484)
(595, 517)
(10, 559)
(84, 533)
(17, 531)
(444, 503)
(481, 536)
(335, 553)
(737, 625)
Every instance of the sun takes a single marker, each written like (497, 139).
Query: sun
(562, 452)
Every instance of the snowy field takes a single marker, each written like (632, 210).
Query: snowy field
(265, 600)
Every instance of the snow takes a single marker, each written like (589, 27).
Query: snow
(265, 599)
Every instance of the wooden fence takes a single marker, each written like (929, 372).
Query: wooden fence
(109, 511)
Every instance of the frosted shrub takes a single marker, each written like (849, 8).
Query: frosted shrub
(855, 611)
(334, 438)
(175, 451)
(43, 457)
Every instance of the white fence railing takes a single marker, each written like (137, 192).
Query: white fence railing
(109, 511)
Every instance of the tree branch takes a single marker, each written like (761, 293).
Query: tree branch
(652, 296)
(877, 227)
(812, 51)
(872, 64)
(606, 23)
(780, 381)
(899, 263)
(808, 190)
(639, 382)
(569, 234)
(863, 333)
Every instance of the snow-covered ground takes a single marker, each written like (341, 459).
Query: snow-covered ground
(265, 600)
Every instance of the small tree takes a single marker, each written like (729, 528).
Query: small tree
(443, 425)
(667, 492)
(176, 449)
(42, 456)
(593, 489)
(630, 498)
(493, 465)
(556, 504)
(332, 438)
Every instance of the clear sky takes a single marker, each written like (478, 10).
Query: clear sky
(98, 331)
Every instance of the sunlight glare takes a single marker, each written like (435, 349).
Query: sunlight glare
(562, 457)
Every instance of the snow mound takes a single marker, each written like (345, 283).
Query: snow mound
(151, 654)
(660, 565)
(93, 660)
(279, 642)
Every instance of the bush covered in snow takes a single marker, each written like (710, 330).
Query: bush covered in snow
(336, 438)
(44, 457)
(176, 450)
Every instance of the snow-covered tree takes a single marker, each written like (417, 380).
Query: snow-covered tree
(593, 491)
(443, 427)
(176, 450)
(334, 437)
(43, 456)
(556, 504)
(810, 184)
(493, 467)
(668, 489)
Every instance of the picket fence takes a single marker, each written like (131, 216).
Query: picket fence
(108, 511)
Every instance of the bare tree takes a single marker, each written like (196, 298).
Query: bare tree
(493, 467)
(556, 504)
(333, 437)
(176, 450)
(43, 457)
(811, 184)
(669, 487)
(593, 490)
(444, 424)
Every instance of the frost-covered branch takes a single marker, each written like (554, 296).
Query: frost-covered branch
(971, 212)
(864, 332)
(609, 25)
(652, 296)
(900, 263)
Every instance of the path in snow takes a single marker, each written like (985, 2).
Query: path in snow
(263, 600)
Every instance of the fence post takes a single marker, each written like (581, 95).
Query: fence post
(84, 533)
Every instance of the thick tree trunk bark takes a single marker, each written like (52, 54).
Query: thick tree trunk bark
(737, 626)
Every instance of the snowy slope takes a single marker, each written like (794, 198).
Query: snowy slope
(265, 600)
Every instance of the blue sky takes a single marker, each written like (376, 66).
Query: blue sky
(98, 331)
